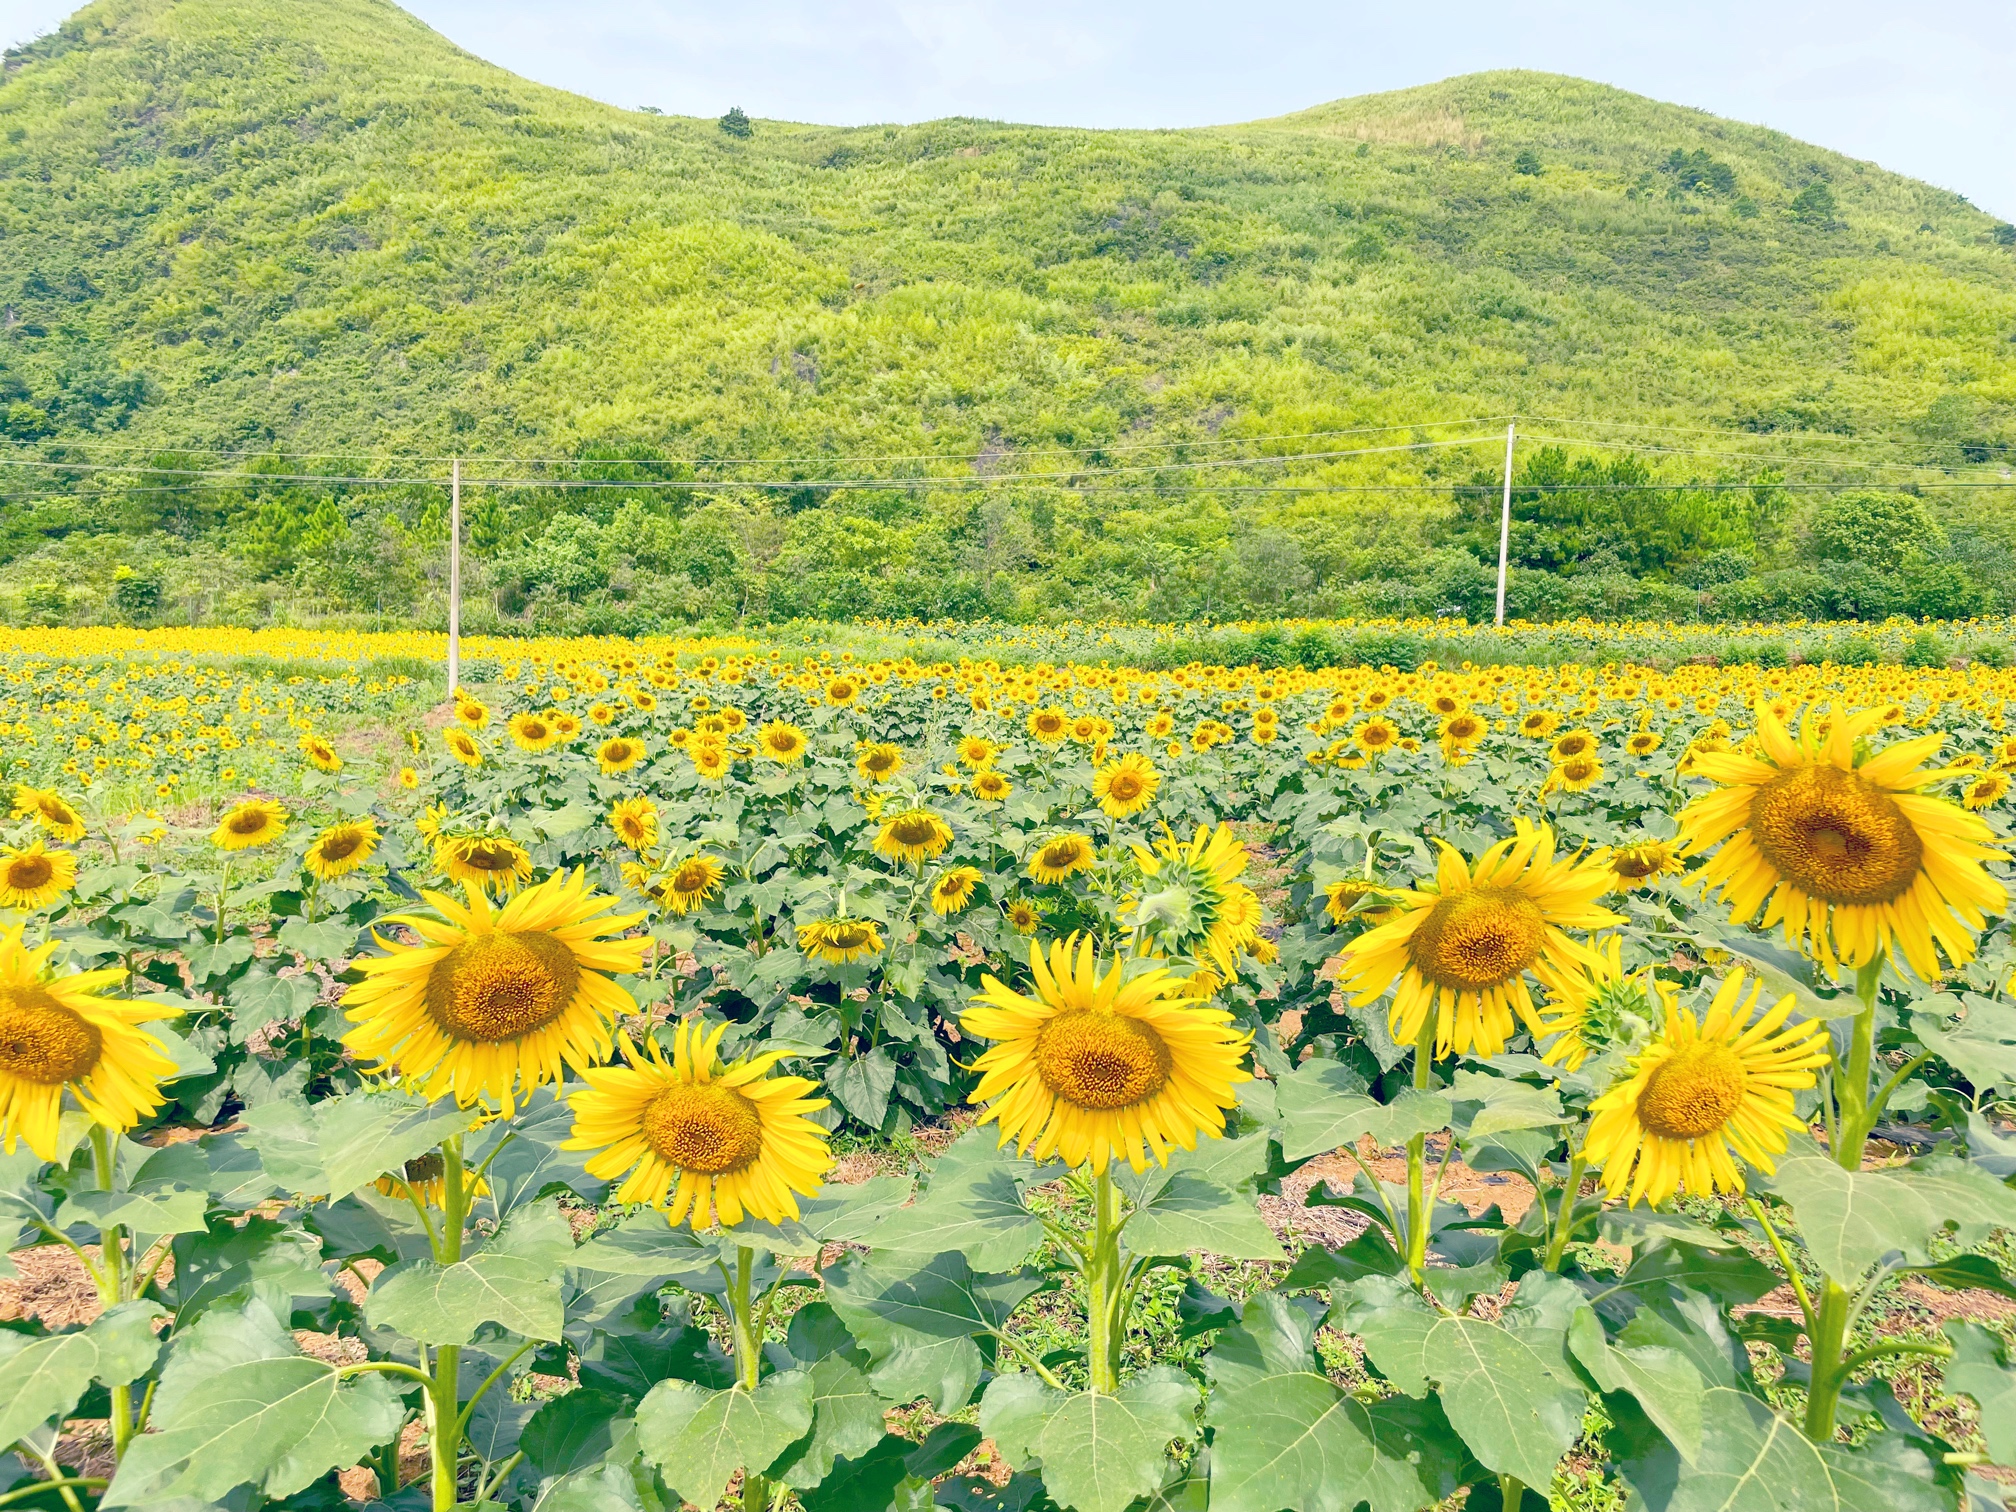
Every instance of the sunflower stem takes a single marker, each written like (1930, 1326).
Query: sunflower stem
(742, 1318)
(112, 1281)
(1564, 1215)
(1828, 1338)
(1103, 1288)
(1419, 1204)
(1858, 1111)
(444, 1435)
(223, 890)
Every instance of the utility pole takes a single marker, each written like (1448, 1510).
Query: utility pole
(1504, 522)
(455, 578)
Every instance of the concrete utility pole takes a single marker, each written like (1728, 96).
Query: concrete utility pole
(455, 578)
(1504, 522)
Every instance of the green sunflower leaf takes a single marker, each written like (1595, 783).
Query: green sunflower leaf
(1853, 1220)
(43, 1378)
(699, 1438)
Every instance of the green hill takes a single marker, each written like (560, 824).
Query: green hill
(317, 227)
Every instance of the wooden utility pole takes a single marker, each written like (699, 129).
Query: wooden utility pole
(1504, 521)
(455, 578)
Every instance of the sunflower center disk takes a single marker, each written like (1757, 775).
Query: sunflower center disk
(496, 987)
(340, 846)
(483, 856)
(42, 1041)
(1478, 938)
(913, 831)
(30, 872)
(1101, 1060)
(1692, 1092)
(691, 878)
(248, 823)
(712, 1130)
(1836, 836)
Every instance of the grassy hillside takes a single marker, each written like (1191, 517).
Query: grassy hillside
(318, 227)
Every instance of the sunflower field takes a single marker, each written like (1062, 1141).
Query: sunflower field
(673, 1073)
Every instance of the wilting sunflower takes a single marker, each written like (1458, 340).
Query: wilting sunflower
(1636, 864)
(1463, 945)
(878, 761)
(691, 883)
(618, 753)
(990, 787)
(321, 754)
(635, 821)
(52, 811)
(954, 889)
(533, 732)
(253, 822)
(497, 1000)
(33, 877)
(1986, 791)
(840, 942)
(1126, 786)
(1845, 851)
(1702, 1090)
(781, 742)
(463, 747)
(1049, 725)
(700, 1138)
(341, 849)
(915, 834)
(1059, 856)
(978, 752)
(57, 1033)
(490, 863)
(1093, 1066)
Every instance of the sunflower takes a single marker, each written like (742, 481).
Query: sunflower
(915, 834)
(691, 883)
(1576, 743)
(533, 732)
(710, 761)
(341, 849)
(409, 779)
(1839, 844)
(1049, 725)
(781, 742)
(1577, 774)
(1594, 1007)
(1463, 729)
(33, 877)
(321, 755)
(1059, 856)
(1540, 724)
(496, 1000)
(1702, 1090)
(422, 1180)
(645, 701)
(254, 822)
(954, 889)
(1347, 899)
(463, 747)
(1463, 944)
(565, 725)
(978, 752)
(1643, 743)
(473, 714)
(635, 821)
(1092, 1067)
(1126, 786)
(490, 863)
(1376, 735)
(878, 761)
(51, 811)
(618, 753)
(1636, 864)
(990, 787)
(840, 942)
(601, 714)
(700, 1138)
(1023, 916)
(1200, 908)
(56, 1033)
(842, 691)
(1985, 792)
(430, 823)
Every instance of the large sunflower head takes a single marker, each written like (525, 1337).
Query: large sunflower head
(1126, 786)
(915, 834)
(1093, 1065)
(954, 889)
(533, 732)
(1463, 944)
(990, 787)
(1704, 1091)
(34, 877)
(57, 1034)
(702, 1139)
(635, 821)
(492, 863)
(878, 761)
(250, 823)
(341, 849)
(495, 1001)
(618, 753)
(781, 742)
(1049, 725)
(52, 811)
(462, 746)
(840, 942)
(1837, 841)
(692, 882)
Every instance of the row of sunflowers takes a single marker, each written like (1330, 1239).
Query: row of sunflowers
(456, 1115)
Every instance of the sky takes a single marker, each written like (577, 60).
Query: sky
(1920, 86)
